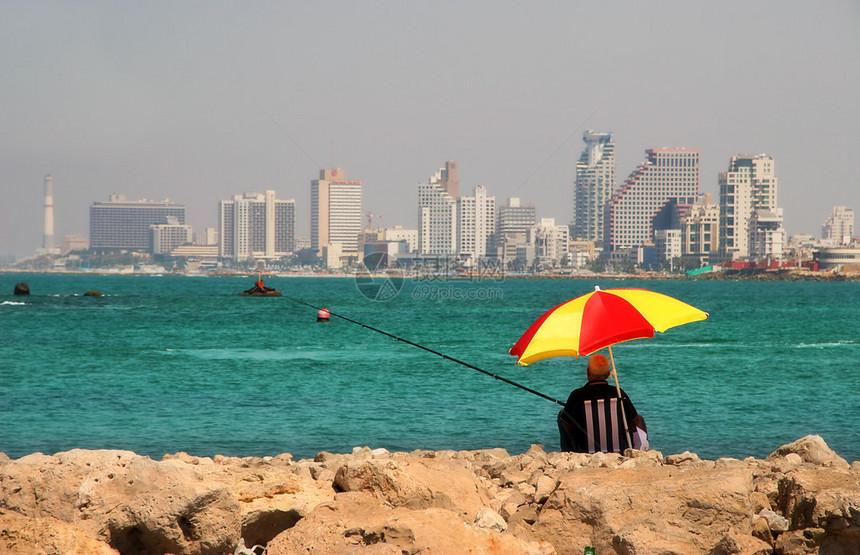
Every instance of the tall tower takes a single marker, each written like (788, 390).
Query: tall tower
(437, 212)
(747, 189)
(256, 225)
(839, 227)
(595, 181)
(335, 211)
(476, 223)
(48, 237)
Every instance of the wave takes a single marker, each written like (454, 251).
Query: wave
(824, 345)
(262, 354)
(12, 303)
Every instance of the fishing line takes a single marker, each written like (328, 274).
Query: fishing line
(429, 350)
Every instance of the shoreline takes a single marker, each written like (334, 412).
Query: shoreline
(800, 498)
(782, 274)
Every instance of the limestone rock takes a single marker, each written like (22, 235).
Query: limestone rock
(683, 511)
(824, 499)
(683, 458)
(357, 522)
(741, 544)
(490, 519)
(131, 502)
(21, 288)
(414, 483)
(545, 486)
(93, 293)
(427, 502)
(811, 449)
(22, 534)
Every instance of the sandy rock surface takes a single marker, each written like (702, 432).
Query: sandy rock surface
(803, 498)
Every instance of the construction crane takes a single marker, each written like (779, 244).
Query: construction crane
(370, 218)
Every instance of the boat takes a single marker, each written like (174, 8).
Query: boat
(260, 289)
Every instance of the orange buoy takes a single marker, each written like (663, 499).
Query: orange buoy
(323, 315)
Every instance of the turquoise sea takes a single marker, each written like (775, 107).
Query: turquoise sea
(161, 364)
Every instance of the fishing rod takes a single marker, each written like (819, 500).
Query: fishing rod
(429, 350)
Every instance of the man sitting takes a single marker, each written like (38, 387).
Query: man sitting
(592, 419)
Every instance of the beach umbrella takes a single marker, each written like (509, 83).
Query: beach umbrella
(601, 319)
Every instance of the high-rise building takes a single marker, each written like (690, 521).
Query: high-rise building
(595, 181)
(515, 224)
(120, 224)
(668, 173)
(256, 225)
(838, 229)
(767, 236)
(437, 212)
(335, 211)
(477, 219)
(748, 186)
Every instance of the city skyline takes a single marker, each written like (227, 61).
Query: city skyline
(108, 99)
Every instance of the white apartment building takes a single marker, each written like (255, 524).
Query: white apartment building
(667, 243)
(551, 241)
(437, 212)
(700, 235)
(595, 182)
(838, 229)
(397, 233)
(255, 225)
(748, 186)
(336, 215)
(477, 219)
(667, 173)
(767, 236)
(168, 236)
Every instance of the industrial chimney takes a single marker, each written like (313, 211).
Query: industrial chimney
(48, 238)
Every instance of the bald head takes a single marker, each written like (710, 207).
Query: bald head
(598, 368)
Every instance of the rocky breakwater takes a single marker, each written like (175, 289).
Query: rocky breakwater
(803, 498)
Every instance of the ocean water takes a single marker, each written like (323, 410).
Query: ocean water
(161, 364)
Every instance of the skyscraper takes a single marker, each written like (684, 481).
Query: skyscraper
(515, 225)
(595, 181)
(256, 225)
(120, 224)
(335, 211)
(476, 223)
(437, 212)
(667, 173)
(748, 209)
(838, 229)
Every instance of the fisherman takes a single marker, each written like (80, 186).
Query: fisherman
(587, 420)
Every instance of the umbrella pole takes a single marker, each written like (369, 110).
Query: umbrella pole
(627, 431)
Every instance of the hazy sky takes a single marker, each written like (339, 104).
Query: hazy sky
(177, 99)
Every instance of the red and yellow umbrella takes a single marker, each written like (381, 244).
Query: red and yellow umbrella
(601, 319)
